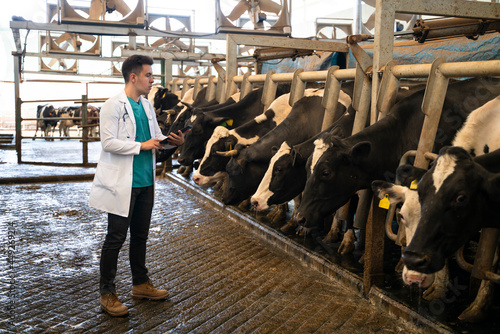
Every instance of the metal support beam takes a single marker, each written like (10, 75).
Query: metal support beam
(432, 107)
(330, 97)
(298, 87)
(246, 85)
(210, 94)
(270, 87)
(388, 91)
(17, 81)
(374, 250)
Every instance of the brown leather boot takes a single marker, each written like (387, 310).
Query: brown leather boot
(111, 305)
(147, 290)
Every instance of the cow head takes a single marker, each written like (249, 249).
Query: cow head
(408, 218)
(458, 197)
(283, 180)
(217, 154)
(336, 171)
(239, 187)
(164, 100)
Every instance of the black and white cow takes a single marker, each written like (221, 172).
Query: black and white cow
(286, 175)
(221, 143)
(249, 164)
(342, 167)
(45, 124)
(458, 197)
(232, 116)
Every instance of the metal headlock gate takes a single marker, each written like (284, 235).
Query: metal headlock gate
(376, 85)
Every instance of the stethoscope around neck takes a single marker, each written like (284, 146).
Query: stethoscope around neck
(124, 120)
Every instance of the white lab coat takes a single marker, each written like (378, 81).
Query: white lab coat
(112, 186)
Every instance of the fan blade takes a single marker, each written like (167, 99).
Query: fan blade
(64, 37)
(269, 6)
(321, 35)
(240, 9)
(52, 62)
(95, 10)
(181, 45)
(90, 38)
(159, 42)
(121, 6)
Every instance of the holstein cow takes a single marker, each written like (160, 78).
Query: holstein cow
(458, 196)
(177, 118)
(45, 124)
(219, 146)
(232, 116)
(342, 167)
(478, 136)
(286, 175)
(249, 164)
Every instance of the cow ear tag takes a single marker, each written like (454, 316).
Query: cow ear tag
(229, 122)
(164, 94)
(414, 185)
(384, 202)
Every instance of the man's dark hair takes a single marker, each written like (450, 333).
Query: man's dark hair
(133, 64)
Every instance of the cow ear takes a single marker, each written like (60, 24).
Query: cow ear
(405, 174)
(361, 151)
(396, 193)
(492, 186)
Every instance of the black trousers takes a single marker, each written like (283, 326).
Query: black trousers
(139, 218)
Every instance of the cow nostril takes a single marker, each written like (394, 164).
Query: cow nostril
(414, 260)
(299, 219)
(255, 204)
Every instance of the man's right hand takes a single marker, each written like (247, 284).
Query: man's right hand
(150, 144)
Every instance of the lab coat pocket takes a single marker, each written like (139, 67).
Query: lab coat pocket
(106, 176)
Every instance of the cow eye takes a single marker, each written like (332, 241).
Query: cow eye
(400, 218)
(277, 169)
(325, 173)
(460, 199)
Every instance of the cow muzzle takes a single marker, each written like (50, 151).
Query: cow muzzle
(416, 261)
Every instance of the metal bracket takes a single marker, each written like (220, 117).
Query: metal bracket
(298, 87)
(388, 91)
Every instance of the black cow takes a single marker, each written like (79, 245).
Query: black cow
(45, 124)
(458, 196)
(164, 100)
(247, 167)
(232, 116)
(342, 167)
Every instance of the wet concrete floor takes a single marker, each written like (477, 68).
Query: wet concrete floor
(221, 277)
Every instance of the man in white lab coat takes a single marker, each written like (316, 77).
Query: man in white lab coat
(124, 181)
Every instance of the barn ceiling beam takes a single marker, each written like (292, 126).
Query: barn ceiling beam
(109, 30)
(183, 56)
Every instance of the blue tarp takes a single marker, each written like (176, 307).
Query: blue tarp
(458, 49)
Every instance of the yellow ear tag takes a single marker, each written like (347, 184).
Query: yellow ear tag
(229, 122)
(414, 184)
(230, 147)
(164, 94)
(384, 202)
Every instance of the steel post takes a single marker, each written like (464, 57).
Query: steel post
(85, 133)
(298, 87)
(432, 107)
(330, 97)
(269, 93)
